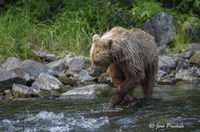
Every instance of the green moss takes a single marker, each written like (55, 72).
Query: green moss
(67, 80)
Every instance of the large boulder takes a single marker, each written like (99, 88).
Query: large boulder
(46, 82)
(22, 91)
(11, 63)
(7, 78)
(167, 63)
(87, 92)
(161, 27)
(33, 68)
(75, 63)
(45, 56)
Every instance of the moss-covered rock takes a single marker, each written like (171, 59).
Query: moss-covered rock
(68, 80)
(195, 59)
(49, 94)
(22, 91)
(65, 88)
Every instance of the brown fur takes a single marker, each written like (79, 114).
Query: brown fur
(130, 57)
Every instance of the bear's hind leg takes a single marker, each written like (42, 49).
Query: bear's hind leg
(148, 84)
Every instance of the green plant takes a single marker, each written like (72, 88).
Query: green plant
(145, 9)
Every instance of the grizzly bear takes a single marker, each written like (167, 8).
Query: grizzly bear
(130, 57)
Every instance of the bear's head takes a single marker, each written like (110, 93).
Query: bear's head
(100, 55)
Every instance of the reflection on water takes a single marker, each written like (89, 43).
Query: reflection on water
(173, 108)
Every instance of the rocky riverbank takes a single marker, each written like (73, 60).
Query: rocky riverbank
(68, 77)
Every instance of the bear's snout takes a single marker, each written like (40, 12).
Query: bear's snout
(95, 72)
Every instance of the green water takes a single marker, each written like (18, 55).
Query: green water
(173, 108)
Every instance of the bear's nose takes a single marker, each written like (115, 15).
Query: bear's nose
(92, 74)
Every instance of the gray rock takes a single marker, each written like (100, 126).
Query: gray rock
(161, 49)
(167, 63)
(182, 65)
(184, 55)
(75, 63)
(24, 75)
(1, 96)
(33, 68)
(193, 33)
(194, 47)
(7, 78)
(22, 91)
(187, 74)
(161, 27)
(46, 82)
(160, 74)
(11, 63)
(84, 76)
(58, 65)
(167, 81)
(45, 56)
(8, 93)
(87, 92)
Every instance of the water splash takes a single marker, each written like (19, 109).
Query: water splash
(52, 122)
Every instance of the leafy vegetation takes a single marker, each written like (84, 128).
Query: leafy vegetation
(62, 26)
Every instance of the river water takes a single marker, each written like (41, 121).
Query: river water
(173, 108)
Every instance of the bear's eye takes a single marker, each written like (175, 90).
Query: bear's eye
(96, 63)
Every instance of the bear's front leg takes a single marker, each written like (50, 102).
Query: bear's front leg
(128, 99)
(122, 91)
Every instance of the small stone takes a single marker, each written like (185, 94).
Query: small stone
(84, 76)
(8, 93)
(22, 91)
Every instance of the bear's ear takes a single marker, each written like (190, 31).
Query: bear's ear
(95, 38)
(109, 43)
